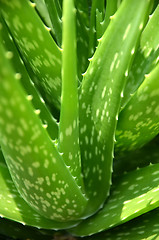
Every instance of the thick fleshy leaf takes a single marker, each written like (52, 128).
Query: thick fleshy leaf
(52, 6)
(36, 45)
(96, 6)
(111, 8)
(82, 16)
(146, 56)
(139, 120)
(128, 161)
(101, 91)
(37, 168)
(144, 227)
(21, 73)
(22, 232)
(43, 12)
(69, 114)
(13, 206)
(132, 195)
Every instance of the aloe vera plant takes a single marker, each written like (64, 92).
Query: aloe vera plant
(79, 118)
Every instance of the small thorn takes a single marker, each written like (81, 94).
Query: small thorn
(33, 4)
(112, 17)
(45, 126)
(100, 39)
(147, 75)
(84, 73)
(47, 28)
(90, 59)
(42, 100)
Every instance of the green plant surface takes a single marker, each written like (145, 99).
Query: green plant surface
(141, 157)
(48, 120)
(131, 196)
(146, 56)
(33, 37)
(139, 121)
(55, 16)
(78, 85)
(22, 232)
(100, 96)
(33, 139)
(144, 227)
(17, 209)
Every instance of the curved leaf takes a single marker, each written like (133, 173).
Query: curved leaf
(33, 160)
(144, 227)
(69, 115)
(13, 206)
(146, 57)
(100, 96)
(132, 195)
(139, 120)
(36, 46)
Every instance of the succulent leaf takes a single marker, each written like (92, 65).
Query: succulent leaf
(101, 90)
(32, 158)
(55, 18)
(139, 158)
(22, 232)
(82, 33)
(69, 115)
(130, 197)
(146, 57)
(97, 6)
(111, 7)
(13, 206)
(63, 117)
(36, 45)
(21, 73)
(139, 120)
(43, 12)
(144, 227)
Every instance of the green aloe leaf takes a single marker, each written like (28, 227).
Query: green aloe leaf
(32, 158)
(111, 8)
(139, 158)
(69, 114)
(22, 232)
(36, 45)
(146, 56)
(13, 206)
(43, 12)
(139, 120)
(96, 6)
(130, 197)
(21, 73)
(144, 227)
(100, 95)
(53, 9)
(82, 26)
